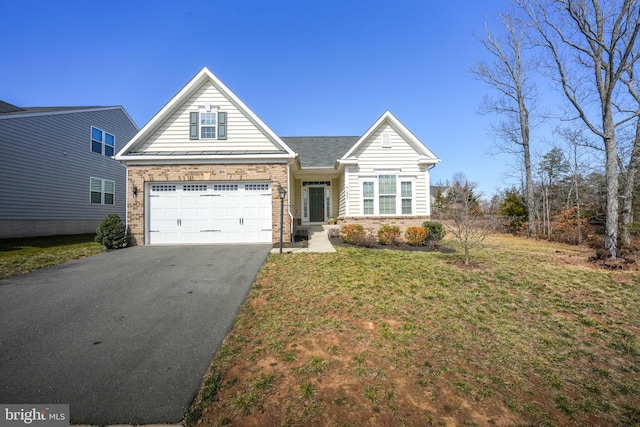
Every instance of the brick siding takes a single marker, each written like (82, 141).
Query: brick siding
(138, 176)
(373, 223)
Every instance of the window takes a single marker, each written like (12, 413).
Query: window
(208, 123)
(102, 191)
(367, 197)
(102, 142)
(387, 194)
(406, 194)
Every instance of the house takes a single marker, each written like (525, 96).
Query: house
(58, 174)
(206, 169)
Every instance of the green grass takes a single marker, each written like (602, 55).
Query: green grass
(20, 256)
(531, 335)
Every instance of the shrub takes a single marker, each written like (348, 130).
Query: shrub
(333, 232)
(435, 231)
(388, 234)
(112, 233)
(416, 236)
(366, 240)
(350, 232)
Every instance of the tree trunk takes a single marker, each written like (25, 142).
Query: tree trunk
(530, 197)
(611, 175)
(627, 189)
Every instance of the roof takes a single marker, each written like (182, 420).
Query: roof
(427, 156)
(9, 110)
(319, 151)
(129, 152)
(5, 107)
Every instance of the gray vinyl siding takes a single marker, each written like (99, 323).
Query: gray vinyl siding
(47, 163)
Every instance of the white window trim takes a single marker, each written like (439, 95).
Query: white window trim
(376, 193)
(413, 195)
(102, 191)
(103, 143)
(208, 108)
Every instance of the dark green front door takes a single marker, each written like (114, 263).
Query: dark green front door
(316, 199)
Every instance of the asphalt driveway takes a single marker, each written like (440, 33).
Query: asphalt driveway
(124, 337)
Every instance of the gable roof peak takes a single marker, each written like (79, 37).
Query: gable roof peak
(388, 117)
(183, 95)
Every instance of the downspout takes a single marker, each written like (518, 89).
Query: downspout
(289, 200)
(429, 186)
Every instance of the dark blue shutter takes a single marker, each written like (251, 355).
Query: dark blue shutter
(193, 125)
(222, 125)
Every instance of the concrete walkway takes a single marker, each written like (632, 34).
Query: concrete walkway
(318, 241)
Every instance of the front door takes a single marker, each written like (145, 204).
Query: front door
(316, 204)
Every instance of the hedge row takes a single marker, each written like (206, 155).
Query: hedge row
(429, 233)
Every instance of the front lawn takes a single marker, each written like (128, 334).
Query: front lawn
(530, 335)
(19, 256)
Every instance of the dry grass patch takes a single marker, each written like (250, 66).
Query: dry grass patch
(364, 337)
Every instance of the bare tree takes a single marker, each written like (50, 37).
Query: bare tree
(577, 164)
(469, 224)
(592, 44)
(510, 75)
(630, 169)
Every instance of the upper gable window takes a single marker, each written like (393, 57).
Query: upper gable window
(208, 123)
(102, 142)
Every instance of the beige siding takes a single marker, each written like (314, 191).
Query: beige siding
(342, 194)
(335, 198)
(242, 133)
(400, 157)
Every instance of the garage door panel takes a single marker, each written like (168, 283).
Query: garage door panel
(209, 213)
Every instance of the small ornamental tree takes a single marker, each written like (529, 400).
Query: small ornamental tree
(469, 224)
(112, 233)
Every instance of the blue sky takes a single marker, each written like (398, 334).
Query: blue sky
(306, 68)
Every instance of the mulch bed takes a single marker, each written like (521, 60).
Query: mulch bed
(434, 247)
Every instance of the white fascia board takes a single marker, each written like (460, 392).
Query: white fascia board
(164, 112)
(262, 158)
(241, 105)
(423, 161)
(400, 128)
(203, 75)
(365, 136)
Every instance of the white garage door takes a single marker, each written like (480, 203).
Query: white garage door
(206, 212)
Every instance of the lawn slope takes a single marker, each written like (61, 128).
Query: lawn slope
(531, 334)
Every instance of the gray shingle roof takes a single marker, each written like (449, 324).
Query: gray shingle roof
(319, 151)
(6, 108)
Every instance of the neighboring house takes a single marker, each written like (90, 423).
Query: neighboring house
(206, 169)
(58, 174)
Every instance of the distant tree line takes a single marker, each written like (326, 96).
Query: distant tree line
(589, 51)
